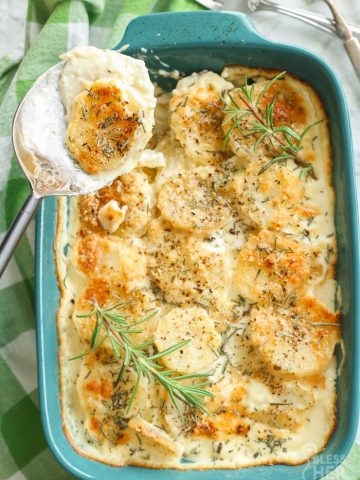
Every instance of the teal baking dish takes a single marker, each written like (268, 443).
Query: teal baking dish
(192, 42)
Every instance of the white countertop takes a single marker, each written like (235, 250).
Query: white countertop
(12, 25)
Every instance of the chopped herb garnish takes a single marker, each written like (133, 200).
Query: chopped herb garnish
(284, 334)
(272, 442)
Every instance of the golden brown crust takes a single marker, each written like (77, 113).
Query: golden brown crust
(130, 190)
(101, 127)
(297, 341)
(196, 116)
(189, 201)
(272, 265)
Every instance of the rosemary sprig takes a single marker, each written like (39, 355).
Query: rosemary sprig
(283, 142)
(304, 171)
(284, 334)
(111, 324)
(325, 324)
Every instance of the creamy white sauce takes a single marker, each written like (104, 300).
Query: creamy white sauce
(85, 65)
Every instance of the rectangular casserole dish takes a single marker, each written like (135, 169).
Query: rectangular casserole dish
(193, 42)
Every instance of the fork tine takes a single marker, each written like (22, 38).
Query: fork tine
(211, 4)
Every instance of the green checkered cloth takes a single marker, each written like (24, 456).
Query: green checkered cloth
(52, 27)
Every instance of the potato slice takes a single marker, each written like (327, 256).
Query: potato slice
(103, 130)
(190, 202)
(296, 106)
(188, 269)
(118, 259)
(191, 323)
(131, 191)
(298, 342)
(196, 115)
(270, 199)
(156, 436)
(279, 391)
(273, 265)
(290, 110)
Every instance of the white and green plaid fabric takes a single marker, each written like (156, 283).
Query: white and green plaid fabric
(53, 26)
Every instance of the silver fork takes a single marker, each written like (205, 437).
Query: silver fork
(211, 4)
(320, 21)
(315, 19)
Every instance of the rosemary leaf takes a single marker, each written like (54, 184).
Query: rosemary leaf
(170, 350)
(304, 171)
(279, 158)
(306, 129)
(289, 132)
(270, 84)
(96, 332)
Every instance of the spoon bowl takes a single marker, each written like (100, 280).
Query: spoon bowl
(39, 129)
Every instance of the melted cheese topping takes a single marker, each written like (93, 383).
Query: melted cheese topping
(240, 263)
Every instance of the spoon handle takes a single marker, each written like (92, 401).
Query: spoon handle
(17, 230)
(344, 31)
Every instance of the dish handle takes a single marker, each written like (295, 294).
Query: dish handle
(206, 27)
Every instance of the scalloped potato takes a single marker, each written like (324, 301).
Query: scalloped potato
(189, 201)
(192, 324)
(272, 265)
(109, 102)
(297, 342)
(221, 258)
(196, 116)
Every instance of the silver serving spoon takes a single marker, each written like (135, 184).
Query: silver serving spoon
(38, 132)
